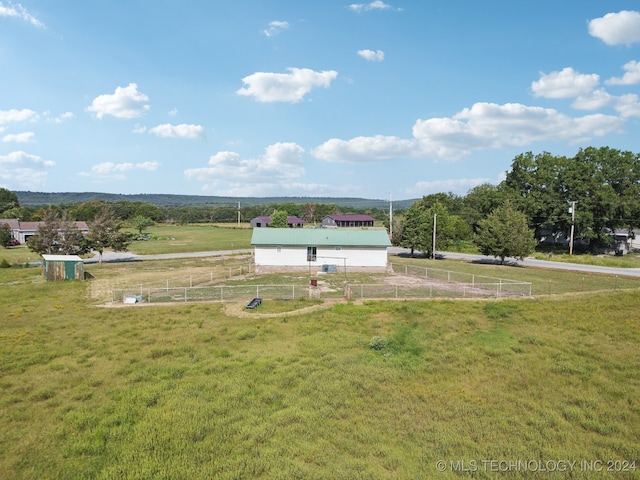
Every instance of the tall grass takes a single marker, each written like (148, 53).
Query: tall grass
(188, 392)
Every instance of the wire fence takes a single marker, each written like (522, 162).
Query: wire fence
(405, 281)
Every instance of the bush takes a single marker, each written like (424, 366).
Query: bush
(4, 263)
(378, 343)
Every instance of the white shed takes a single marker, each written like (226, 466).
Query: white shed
(319, 247)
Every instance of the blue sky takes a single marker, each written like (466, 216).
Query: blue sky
(307, 98)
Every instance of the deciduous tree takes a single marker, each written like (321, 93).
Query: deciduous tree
(505, 233)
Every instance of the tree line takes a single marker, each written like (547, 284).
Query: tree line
(597, 190)
(505, 220)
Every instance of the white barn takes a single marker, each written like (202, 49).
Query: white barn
(320, 248)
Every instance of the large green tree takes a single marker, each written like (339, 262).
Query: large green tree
(8, 200)
(604, 183)
(47, 237)
(6, 236)
(505, 233)
(279, 219)
(105, 232)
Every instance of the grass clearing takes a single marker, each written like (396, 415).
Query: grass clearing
(189, 391)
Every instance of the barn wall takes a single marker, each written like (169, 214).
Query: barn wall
(297, 256)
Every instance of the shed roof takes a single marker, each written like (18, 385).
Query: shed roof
(320, 237)
(62, 258)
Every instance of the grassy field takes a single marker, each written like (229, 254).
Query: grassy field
(348, 391)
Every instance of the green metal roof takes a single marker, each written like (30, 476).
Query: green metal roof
(320, 237)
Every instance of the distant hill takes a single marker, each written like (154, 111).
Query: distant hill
(167, 200)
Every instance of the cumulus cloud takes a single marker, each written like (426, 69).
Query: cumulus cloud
(275, 28)
(20, 170)
(631, 76)
(372, 55)
(375, 5)
(564, 84)
(617, 28)
(281, 162)
(24, 137)
(628, 105)
(116, 170)
(483, 126)
(285, 87)
(14, 116)
(189, 132)
(365, 149)
(18, 11)
(126, 102)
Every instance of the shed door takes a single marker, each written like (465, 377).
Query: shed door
(69, 270)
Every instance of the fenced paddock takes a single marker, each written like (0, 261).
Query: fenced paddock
(402, 281)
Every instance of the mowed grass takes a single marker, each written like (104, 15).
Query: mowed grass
(193, 238)
(187, 391)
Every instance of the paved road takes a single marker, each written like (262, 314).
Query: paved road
(532, 262)
(527, 262)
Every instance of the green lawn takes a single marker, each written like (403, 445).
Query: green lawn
(354, 391)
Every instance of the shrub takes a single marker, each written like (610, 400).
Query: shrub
(378, 343)
(4, 263)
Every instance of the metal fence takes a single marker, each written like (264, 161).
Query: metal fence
(460, 284)
(209, 293)
(405, 281)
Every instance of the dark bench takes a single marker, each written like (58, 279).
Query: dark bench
(254, 303)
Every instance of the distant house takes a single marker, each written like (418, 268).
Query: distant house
(21, 231)
(265, 221)
(62, 267)
(320, 248)
(348, 221)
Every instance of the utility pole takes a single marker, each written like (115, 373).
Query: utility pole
(433, 249)
(572, 210)
(390, 217)
(238, 214)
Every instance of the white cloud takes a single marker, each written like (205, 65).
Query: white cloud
(116, 170)
(631, 76)
(375, 5)
(65, 116)
(372, 55)
(483, 126)
(20, 170)
(365, 149)
(565, 84)
(24, 137)
(126, 102)
(59, 119)
(285, 87)
(18, 11)
(190, 132)
(275, 27)
(458, 186)
(13, 115)
(628, 105)
(617, 28)
(281, 162)
(173, 113)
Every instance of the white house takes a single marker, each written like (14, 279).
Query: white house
(319, 248)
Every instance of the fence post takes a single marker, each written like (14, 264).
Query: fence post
(396, 291)
(185, 294)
